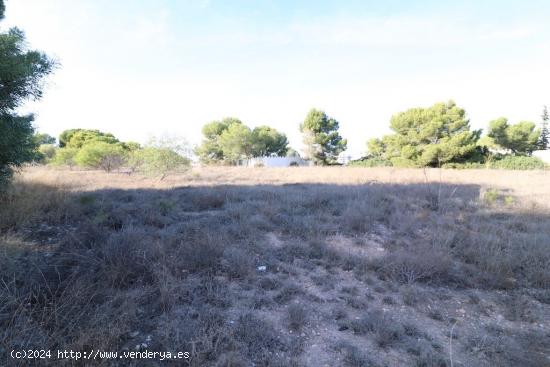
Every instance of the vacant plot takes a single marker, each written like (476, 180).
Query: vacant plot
(279, 267)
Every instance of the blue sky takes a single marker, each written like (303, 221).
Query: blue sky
(142, 67)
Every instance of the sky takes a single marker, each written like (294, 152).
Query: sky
(138, 68)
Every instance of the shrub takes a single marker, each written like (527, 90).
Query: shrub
(297, 316)
(101, 155)
(465, 165)
(518, 163)
(64, 157)
(46, 152)
(417, 264)
(371, 162)
(157, 161)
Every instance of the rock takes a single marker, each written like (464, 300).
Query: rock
(262, 268)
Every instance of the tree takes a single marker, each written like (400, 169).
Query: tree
(46, 152)
(64, 157)
(267, 141)
(153, 161)
(101, 155)
(21, 74)
(65, 136)
(236, 142)
(321, 138)
(210, 150)
(77, 138)
(41, 138)
(229, 140)
(544, 139)
(520, 138)
(427, 137)
(131, 146)
(172, 142)
(292, 153)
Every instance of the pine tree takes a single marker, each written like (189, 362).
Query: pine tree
(21, 74)
(544, 133)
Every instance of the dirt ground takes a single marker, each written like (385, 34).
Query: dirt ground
(279, 267)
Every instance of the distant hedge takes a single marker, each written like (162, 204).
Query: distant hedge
(518, 163)
(371, 162)
(502, 162)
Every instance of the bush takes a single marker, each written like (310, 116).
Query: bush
(422, 263)
(404, 162)
(101, 155)
(46, 152)
(157, 161)
(465, 165)
(64, 157)
(518, 163)
(371, 162)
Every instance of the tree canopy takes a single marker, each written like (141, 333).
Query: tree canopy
(427, 137)
(229, 140)
(77, 138)
(41, 138)
(520, 138)
(21, 79)
(267, 141)
(321, 138)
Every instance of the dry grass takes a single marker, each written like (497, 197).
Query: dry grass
(363, 267)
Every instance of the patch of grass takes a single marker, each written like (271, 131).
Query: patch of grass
(287, 293)
(297, 316)
(354, 357)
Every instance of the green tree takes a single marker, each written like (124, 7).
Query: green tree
(153, 161)
(77, 138)
(267, 141)
(65, 136)
(131, 146)
(210, 150)
(237, 142)
(102, 155)
(45, 153)
(64, 157)
(520, 138)
(41, 138)
(321, 138)
(427, 137)
(21, 74)
(544, 139)
(292, 153)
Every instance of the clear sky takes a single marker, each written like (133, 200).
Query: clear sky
(141, 67)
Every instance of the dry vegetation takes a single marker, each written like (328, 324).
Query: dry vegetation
(363, 267)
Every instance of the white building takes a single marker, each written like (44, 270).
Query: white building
(543, 155)
(274, 162)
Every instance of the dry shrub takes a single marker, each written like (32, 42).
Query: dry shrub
(238, 263)
(28, 203)
(297, 316)
(259, 339)
(410, 265)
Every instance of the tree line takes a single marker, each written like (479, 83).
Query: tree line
(228, 141)
(437, 136)
(440, 135)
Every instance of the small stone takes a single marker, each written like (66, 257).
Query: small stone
(262, 268)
